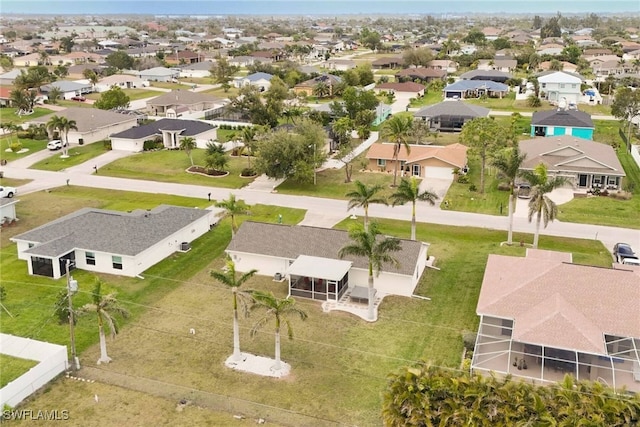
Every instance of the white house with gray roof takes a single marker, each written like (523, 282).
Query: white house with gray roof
(113, 242)
(169, 131)
(157, 74)
(308, 258)
(67, 88)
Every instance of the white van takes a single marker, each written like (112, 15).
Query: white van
(631, 261)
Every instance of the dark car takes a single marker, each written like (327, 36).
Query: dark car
(622, 251)
(524, 191)
(79, 98)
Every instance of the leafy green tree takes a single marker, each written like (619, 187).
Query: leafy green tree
(483, 136)
(23, 100)
(228, 277)
(232, 208)
(409, 191)
(533, 101)
(222, 72)
(540, 204)
(119, 60)
(551, 28)
(357, 100)
(571, 53)
(508, 163)
(475, 37)
(216, 161)
(626, 106)
(377, 249)
(397, 129)
(365, 74)
(67, 43)
(188, 144)
(92, 76)
(61, 71)
(362, 197)
(112, 98)
(278, 309)
(371, 39)
(105, 307)
(420, 57)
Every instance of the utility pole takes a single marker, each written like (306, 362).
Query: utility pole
(72, 288)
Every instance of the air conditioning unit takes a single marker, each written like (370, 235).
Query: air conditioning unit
(185, 247)
(277, 277)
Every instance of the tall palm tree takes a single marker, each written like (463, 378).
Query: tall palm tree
(362, 196)
(54, 95)
(409, 191)
(321, 89)
(65, 125)
(279, 309)
(188, 144)
(365, 243)
(397, 129)
(229, 279)
(540, 204)
(509, 164)
(53, 126)
(105, 307)
(249, 134)
(232, 207)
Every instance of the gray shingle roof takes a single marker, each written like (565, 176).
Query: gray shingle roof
(108, 231)
(88, 119)
(452, 108)
(572, 118)
(476, 84)
(191, 128)
(66, 86)
(495, 75)
(182, 97)
(290, 241)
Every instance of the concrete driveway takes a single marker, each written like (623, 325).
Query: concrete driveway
(439, 186)
(559, 197)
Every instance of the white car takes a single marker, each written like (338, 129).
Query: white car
(56, 144)
(8, 191)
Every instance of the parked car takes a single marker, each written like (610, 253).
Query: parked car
(79, 98)
(54, 145)
(622, 251)
(524, 191)
(631, 261)
(8, 192)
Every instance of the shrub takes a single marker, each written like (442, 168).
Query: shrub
(15, 146)
(463, 179)
(504, 186)
(469, 340)
(247, 172)
(107, 144)
(621, 195)
(473, 188)
(605, 193)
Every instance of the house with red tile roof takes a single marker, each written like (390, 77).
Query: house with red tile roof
(413, 89)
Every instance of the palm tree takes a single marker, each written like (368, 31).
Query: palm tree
(249, 134)
(54, 95)
(509, 165)
(53, 126)
(540, 204)
(365, 243)
(188, 144)
(105, 306)
(397, 129)
(233, 207)
(409, 191)
(279, 309)
(321, 89)
(229, 279)
(63, 126)
(362, 196)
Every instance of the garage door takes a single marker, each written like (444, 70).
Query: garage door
(439, 173)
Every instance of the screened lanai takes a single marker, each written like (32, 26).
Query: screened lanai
(318, 278)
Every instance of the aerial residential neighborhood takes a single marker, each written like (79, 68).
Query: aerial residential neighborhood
(433, 214)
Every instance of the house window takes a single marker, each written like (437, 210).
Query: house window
(573, 86)
(90, 258)
(597, 180)
(562, 85)
(117, 262)
(612, 181)
(544, 85)
(31, 245)
(382, 162)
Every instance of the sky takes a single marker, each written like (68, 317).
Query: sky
(313, 7)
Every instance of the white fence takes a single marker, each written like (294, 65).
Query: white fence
(635, 153)
(52, 358)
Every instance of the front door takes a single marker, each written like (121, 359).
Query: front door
(582, 180)
(415, 170)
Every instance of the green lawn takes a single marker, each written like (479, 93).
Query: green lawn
(73, 104)
(9, 115)
(429, 98)
(11, 182)
(509, 103)
(133, 94)
(219, 92)
(172, 86)
(171, 166)
(32, 145)
(13, 367)
(77, 155)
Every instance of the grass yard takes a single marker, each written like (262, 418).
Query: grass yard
(73, 104)
(77, 155)
(510, 103)
(171, 166)
(8, 115)
(219, 92)
(12, 182)
(13, 367)
(133, 94)
(429, 98)
(172, 86)
(32, 145)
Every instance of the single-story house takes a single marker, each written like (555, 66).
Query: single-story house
(260, 80)
(562, 122)
(421, 73)
(586, 164)
(199, 69)
(412, 89)
(383, 112)
(170, 131)
(307, 87)
(8, 209)
(423, 161)
(113, 242)
(158, 74)
(504, 65)
(180, 101)
(488, 75)
(475, 89)
(93, 124)
(183, 57)
(340, 64)
(5, 96)
(542, 317)
(387, 62)
(566, 66)
(6, 79)
(67, 88)
(308, 258)
(443, 64)
(559, 87)
(245, 61)
(450, 115)
(123, 81)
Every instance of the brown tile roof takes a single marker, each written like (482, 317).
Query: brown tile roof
(402, 87)
(290, 241)
(388, 61)
(570, 154)
(454, 154)
(421, 72)
(560, 304)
